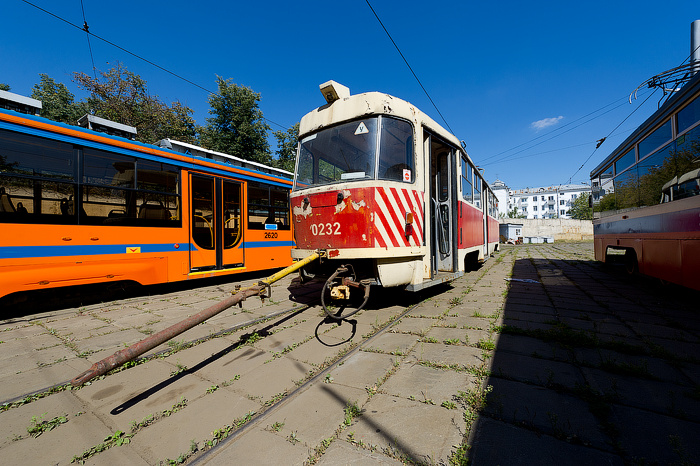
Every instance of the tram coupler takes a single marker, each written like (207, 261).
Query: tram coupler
(339, 290)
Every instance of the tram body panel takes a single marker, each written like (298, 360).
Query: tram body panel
(372, 217)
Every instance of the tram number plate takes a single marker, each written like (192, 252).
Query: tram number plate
(270, 234)
(325, 229)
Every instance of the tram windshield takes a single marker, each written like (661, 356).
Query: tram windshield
(348, 152)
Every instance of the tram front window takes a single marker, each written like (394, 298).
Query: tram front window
(348, 152)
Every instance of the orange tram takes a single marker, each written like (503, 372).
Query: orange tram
(388, 196)
(81, 207)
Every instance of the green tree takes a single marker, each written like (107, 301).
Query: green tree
(237, 126)
(122, 96)
(4, 87)
(515, 214)
(580, 209)
(286, 148)
(57, 102)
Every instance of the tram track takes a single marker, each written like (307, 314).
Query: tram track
(260, 417)
(385, 310)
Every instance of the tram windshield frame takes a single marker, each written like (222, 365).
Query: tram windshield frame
(377, 147)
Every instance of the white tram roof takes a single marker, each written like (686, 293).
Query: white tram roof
(351, 107)
(191, 149)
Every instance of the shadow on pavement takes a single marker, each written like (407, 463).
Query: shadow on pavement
(592, 366)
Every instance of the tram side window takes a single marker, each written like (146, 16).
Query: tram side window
(122, 190)
(659, 137)
(396, 161)
(689, 115)
(268, 207)
(477, 190)
(466, 181)
(37, 179)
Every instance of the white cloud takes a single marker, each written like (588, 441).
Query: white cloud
(545, 123)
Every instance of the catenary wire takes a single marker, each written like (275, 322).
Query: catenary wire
(614, 129)
(136, 55)
(409, 67)
(87, 36)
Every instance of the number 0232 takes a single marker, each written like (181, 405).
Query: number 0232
(325, 229)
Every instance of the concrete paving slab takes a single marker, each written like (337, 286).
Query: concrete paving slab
(545, 411)
(640, 392)
(172, 436)
(534, 347)
(239, 362)
(317, 352)
(317, 413)
(457, 335)
(418, 430)
(364, 369)
(247, 450)
(421, 383)
(644, 366)
(40, 378)
(438, 353)
(140, 391)
(60, 445)
(535, 370)
(393, 343)
(272, 378)
(117, 456)
(14, 422)
(342, 453)
(462, 321)
(650, 438)
(413, 325)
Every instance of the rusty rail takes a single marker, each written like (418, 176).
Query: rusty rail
(137, 349)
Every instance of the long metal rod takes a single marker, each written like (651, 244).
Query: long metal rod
(137, 349)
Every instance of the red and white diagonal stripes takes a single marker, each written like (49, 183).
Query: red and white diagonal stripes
(391, 206)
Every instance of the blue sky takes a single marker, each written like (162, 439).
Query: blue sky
(529, 86)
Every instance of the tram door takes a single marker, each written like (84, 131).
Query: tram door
(216, 226)
(441, 197)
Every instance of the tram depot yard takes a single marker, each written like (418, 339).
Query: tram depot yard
(542, 356)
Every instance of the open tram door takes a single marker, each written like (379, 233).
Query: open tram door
(216, 225)
(443, 186)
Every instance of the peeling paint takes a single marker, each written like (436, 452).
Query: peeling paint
(299, 210)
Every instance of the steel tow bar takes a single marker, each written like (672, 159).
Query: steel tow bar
(137, 349)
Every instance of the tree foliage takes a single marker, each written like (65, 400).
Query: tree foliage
(4, 87)
(515, 213)
(57, 102)
(580, 209)
(122, 96)
(286, 147)
(237, 126)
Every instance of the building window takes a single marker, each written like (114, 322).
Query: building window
(562, 212)
(534, 198)
(551, 198)
(535, 217)
(534, 208)
(573, 196)
(562, 202)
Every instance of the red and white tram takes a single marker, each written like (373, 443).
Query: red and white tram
(389, 196)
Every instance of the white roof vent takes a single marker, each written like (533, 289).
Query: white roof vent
(19, 103)
(107, 126)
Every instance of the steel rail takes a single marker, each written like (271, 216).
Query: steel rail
(147, 344)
